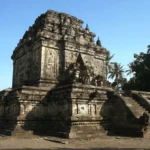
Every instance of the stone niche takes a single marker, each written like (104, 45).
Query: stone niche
(59, 80)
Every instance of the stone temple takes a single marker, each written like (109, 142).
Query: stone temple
(60, 88)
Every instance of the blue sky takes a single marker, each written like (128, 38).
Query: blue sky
(122, 25)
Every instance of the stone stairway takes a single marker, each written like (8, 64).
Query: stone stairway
(134, 106)
(143, 98)
(128, 115)
(133, 126)
(138, 111)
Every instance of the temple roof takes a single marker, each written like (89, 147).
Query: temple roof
(56, 26)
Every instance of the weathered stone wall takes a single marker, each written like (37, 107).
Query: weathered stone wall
(27, 67)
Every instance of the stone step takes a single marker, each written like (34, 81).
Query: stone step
(132, 105)
(137, 112)
(133, 102)
(136, 108)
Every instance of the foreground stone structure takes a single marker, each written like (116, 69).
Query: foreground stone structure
(58, 79)
(59, 83)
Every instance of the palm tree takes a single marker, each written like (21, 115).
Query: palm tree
(117, 73)
(130, 70)
(108, 63)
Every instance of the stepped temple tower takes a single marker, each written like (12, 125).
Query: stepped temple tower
(59, 83)
(53, 44)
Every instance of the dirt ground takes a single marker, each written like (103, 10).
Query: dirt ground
(53, 143)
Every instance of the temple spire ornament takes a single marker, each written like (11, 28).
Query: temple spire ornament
(98, 42)
(87, 27)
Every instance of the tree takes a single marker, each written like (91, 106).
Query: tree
(117, 74)
(108, 63)
(130, 70)
(141, 69)
(148, 50)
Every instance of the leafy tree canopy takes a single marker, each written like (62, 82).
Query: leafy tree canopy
(140, 68)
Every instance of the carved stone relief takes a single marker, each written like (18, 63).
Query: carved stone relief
(51, 63)
(80, 109)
